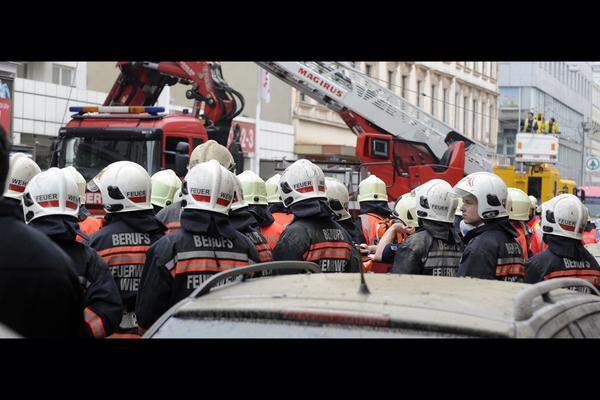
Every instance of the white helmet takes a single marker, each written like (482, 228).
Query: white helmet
(79, 180)
(211, 150)
(338, 196)
(434, 201)
(208, 186)
(254, 188)
(458, 207)
(564, 215)
(518, 205)
(177, 196)
(51, 192)
(238, 195)
(489, 190)
(125, 186)
(272, 184)
(164, 185)
(534, 205)
(406, 210)
(300, 181)
(372, 189)
(20, 171)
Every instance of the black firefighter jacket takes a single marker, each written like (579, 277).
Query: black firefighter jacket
(564, 258)
(40, 295)
(314, 236)
(244, 222)
(102, 302)
(492, 252)
(180, 262)
(434, 249)
(123, 243)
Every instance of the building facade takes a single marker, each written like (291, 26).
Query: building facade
(562, 90)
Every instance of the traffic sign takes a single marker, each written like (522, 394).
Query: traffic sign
(592, 164)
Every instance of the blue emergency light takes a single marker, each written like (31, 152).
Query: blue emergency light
(117, 109)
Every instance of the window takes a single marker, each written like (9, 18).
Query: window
(404, 84)
(465, 104)
(456, 114)
(63, 75)
(433, 100)
(390, 80)
(419, 91)
(302, 96)
(476, 66)
(485, 64)
(445, 105)
(368, 69)
(490, 116)
(474, 121)
(170, 147)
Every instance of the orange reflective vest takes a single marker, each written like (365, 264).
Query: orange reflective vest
(376, 266)
(89, 226)
(283, 218)
(589, 237)
(369, 226)
(272, 233)
(536, 243)
(522, 239)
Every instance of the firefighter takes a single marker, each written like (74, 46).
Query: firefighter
(51, 205)
(244, 222)
(255, 194)
(405, 223)
(21, 170)
(551, 126)
(538, 124)
(282, 215)
(536, 244)
(529, 123)
(205, 245)
(518, 207)
(40, 294)
(313, 235)
(87, 223)
(128, 232)
(563, 221)
(491, 250)
(210, 150)
(165, 184)
(338, 197)
(372, 198)
(435, 248)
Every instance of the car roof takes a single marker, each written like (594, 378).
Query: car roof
(483, 307)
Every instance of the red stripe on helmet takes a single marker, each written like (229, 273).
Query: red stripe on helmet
(223, 202)
(72, 205)
(305, 189)
(201, 197)
(50, 203)
(138, 199)
(16, 188)
(567, 227)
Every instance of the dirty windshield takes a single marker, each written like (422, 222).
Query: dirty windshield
(89, 155)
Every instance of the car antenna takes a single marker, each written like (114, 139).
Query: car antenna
(364, 289)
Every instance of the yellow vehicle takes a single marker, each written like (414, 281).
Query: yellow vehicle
(539, 178)
(541, 181)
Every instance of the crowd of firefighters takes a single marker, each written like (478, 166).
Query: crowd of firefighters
(538, 125)
(64, 272)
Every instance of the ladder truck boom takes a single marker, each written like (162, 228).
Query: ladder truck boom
(367, 107)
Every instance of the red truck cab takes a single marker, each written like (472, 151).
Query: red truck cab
(91, 141)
